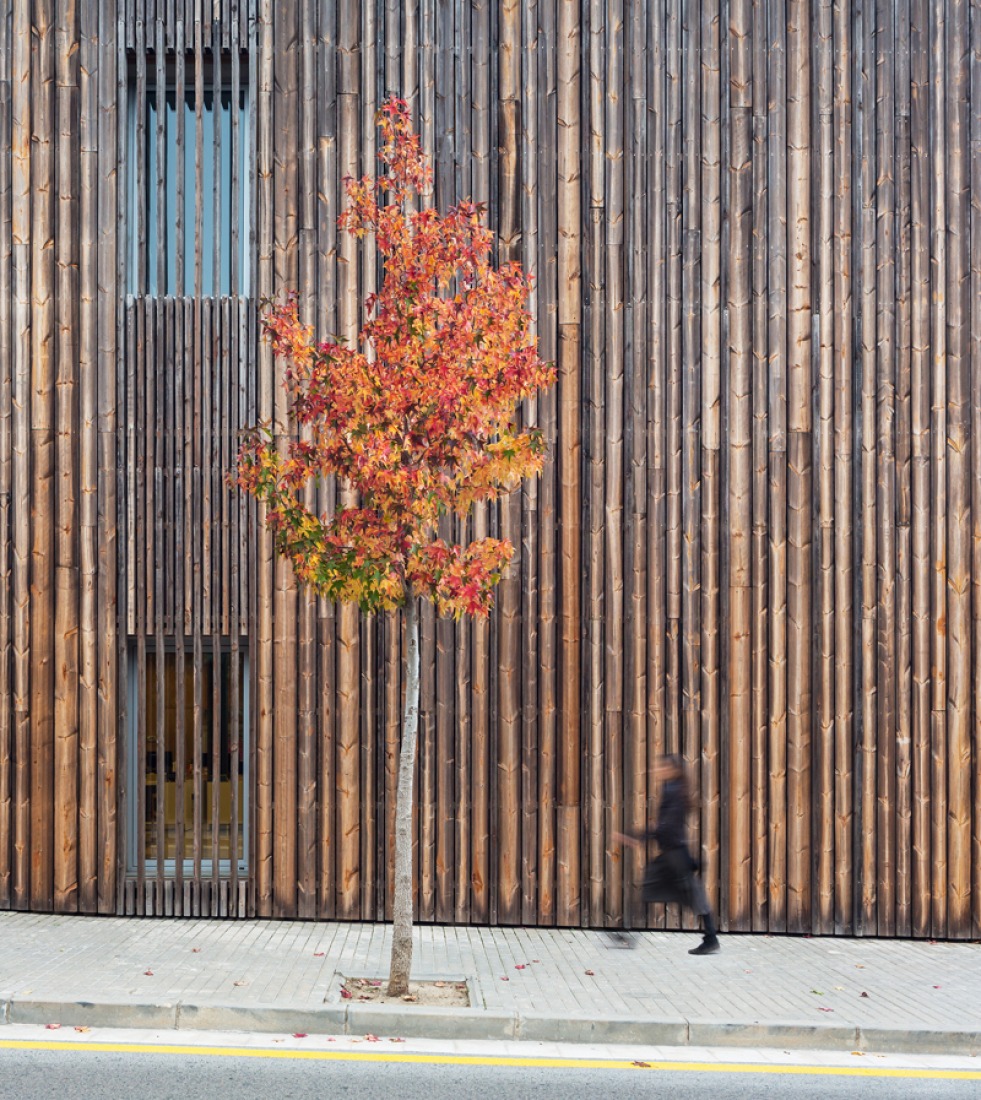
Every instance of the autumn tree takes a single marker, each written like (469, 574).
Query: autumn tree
(419, 419)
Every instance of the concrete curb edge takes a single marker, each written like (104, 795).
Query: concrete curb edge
(476, 1023)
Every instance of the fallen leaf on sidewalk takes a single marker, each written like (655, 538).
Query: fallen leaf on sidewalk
(372, 1038)
(319, 954)
(240, 983)
(859, 966)
(641, 1065)
(818, 992)
(374, 983)
(52, 1027)
(299, 1034)
(82, 1028)
(396, 1040)
(536, 960)
(840, 988)
(520, 966)
(505, 978)
(936, 987)
(345, 994)
(196, 950)
(591, 973)
(149, 973)
(863, 994)
(822, 1009)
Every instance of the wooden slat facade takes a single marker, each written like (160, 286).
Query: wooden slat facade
(755, 231)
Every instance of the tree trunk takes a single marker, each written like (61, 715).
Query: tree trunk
(398, 982)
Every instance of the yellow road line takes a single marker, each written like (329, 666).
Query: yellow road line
(489, 1060)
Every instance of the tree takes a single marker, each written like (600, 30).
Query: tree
(419, 419)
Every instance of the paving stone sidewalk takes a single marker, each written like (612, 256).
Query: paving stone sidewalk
(528, 983)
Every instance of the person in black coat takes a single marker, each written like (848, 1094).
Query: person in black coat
(671, 876)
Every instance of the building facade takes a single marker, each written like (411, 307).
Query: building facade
(755, 231)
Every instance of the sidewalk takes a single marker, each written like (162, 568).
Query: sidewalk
(575, 986)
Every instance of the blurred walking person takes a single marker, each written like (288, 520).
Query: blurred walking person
(671, 877)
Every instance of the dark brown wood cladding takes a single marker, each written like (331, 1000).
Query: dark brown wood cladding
(755, 234)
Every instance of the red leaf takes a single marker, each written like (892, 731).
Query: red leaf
(372, 1038)
(504, 979)
(519, 966)
(149, 973)
(318, 954)
(299, 1034)
(52, 1027)
(345, 994)
(589, 972)
(825, 1010)
(863, 994)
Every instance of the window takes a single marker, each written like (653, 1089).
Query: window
(199, 751)
(215, 231)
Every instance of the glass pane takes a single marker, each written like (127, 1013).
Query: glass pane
(161, 207)
(213, 747)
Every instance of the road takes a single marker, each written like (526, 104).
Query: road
(153, 1067)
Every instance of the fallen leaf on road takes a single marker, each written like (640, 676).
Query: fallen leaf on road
(299, 1034)
(52, 1027)
(590, 973)
(641, 1065)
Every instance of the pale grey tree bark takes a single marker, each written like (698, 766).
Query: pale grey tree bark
(398, 981)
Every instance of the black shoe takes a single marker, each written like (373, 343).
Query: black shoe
(708, 946)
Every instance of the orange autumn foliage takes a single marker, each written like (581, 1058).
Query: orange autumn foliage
(420, 417)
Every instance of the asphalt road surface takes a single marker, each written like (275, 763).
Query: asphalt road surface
(97, 1068)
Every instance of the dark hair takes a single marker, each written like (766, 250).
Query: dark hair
(681, 778)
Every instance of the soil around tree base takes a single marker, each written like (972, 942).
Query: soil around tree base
(443, 994)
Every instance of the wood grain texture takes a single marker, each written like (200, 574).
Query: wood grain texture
(754, 232)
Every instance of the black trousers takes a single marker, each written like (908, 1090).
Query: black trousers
(671, 878)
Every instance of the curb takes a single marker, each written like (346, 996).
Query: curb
(476, 1023)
